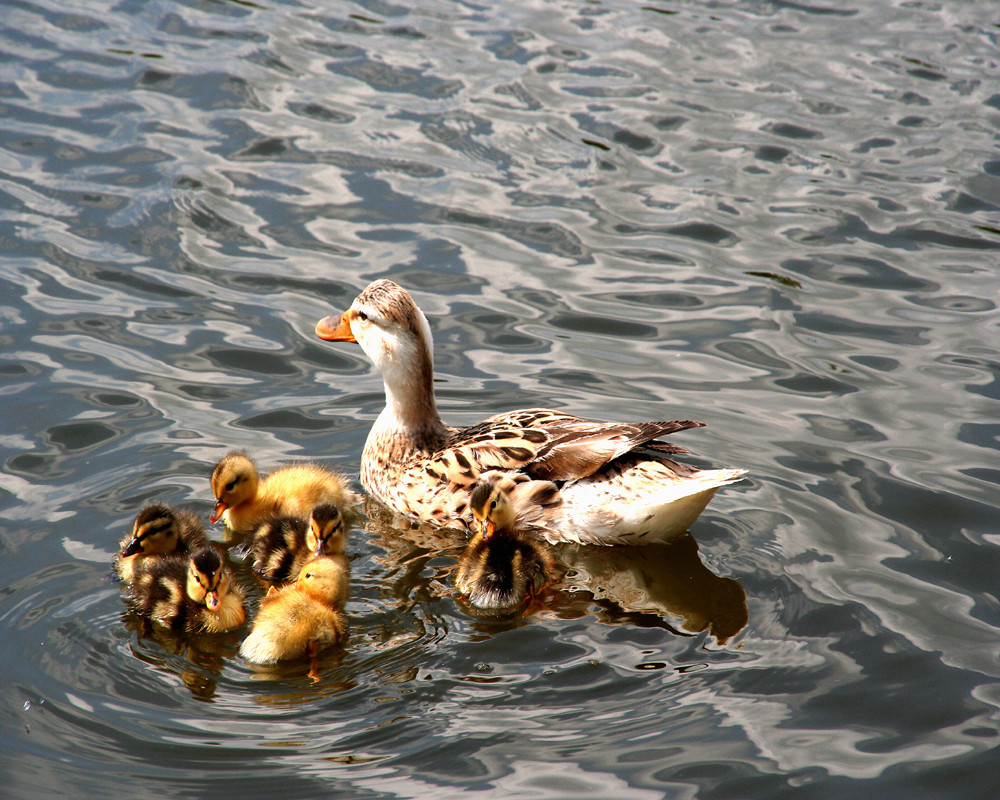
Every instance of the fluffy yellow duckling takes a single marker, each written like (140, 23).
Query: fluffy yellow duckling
(504, 564)
(303, 617)
(244, 499)
(191, 595)
(618, 482)
(159, 530)
(281, 546)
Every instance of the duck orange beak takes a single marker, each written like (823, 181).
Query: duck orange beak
(212, 601)
(489, 528)
(335, 328)
(217, 512)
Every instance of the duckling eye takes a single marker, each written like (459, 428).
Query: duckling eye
(231, 485)
(493, 505)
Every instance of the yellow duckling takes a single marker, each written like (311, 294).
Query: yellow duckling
(618, 482)
(504, 564)
(195, 594)
(281, 546)
(244, 499)
(159, 530)
(303, 617)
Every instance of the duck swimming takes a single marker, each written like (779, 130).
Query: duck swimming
(616, 483)
(244, 499)
(504, 564)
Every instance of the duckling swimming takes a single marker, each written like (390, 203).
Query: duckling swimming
(159, 530)
(504, 564)
(244, 499)
(281, 546)
(194, 594)
(303, 617)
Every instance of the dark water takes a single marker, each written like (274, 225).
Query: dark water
(782, 219)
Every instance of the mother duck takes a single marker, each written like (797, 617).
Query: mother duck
(596, 482)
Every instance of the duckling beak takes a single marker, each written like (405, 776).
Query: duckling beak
(318, 550)
(217, 512)
(212, 601)
(131, 548)
(335, 328)
(489, 528)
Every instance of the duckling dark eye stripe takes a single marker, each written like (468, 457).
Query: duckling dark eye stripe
(150, 529)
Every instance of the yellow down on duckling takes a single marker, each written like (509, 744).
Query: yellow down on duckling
(243, 499)
(302, 618)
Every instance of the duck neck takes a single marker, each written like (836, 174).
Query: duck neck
(410, 409)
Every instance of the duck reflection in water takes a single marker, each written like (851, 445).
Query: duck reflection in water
(667, 580)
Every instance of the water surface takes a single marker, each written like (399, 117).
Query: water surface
(780, 219)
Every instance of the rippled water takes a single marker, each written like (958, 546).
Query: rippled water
(778, 218)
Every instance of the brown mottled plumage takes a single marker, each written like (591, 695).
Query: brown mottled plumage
(303, 617)
(194, 594)
(158, 531)
(504, 564)
(281, 546)
(244, 499)
(615, 482)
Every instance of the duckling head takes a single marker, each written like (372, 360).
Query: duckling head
(327, 532)
(234, 481)
(491, 508)
(155, 531)
(207, 579)
(322, 578)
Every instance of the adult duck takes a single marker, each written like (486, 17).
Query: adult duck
(615, 483)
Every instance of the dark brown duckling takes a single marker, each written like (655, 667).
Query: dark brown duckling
(193, 594)
(281, 546)
(158, 531)
(504, 564)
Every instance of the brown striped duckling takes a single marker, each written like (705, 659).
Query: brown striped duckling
(159, 530)
(303, 617)
(243, 499)
(194, 594)
(281, 546)
(504, 563)
(618, 482)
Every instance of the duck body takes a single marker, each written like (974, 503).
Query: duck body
(188, 594)
(303, 617)
(281, 546)
(616, 481)
(504, 563)
(158, 531)
(244, 499)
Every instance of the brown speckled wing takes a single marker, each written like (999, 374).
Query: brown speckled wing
(549, 445)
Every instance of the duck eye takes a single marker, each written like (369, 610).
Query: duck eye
(362, 316)
(493, 504)
(231, 485)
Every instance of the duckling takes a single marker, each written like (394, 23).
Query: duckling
(243, 499)
(618, 482)
(159, 530)
(504, 564)
(303, 617)
(192, 594)
(281, 546)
